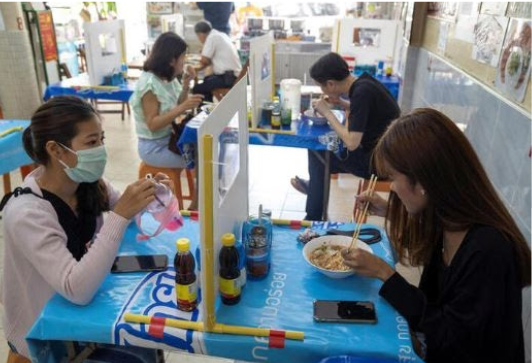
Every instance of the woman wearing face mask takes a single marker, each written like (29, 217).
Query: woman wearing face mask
(445, 215)
(159, 98)
(54, 235)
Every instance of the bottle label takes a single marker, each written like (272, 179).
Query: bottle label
(229, 288)
(187, 293)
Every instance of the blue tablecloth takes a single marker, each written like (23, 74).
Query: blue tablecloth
(80, 86)
(12, 153)
(307, 136)
(283, 300)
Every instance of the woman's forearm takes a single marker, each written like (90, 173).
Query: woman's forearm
(161, 121)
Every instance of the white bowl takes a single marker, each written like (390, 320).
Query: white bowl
(332, 240)
(316, 120)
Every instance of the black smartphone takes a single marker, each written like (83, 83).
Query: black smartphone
(345, 311)
(140, 263)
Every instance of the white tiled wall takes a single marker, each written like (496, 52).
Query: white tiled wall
(498, 130)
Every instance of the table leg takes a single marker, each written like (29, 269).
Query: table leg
(7, 183)
(326, 184)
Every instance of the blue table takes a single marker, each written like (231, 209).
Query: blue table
(392, 83)
(12, 153)
(81, 87)
(283, 300)
(307, 136)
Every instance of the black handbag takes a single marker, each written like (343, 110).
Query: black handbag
(177, 130)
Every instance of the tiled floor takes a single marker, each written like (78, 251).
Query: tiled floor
(270, 170)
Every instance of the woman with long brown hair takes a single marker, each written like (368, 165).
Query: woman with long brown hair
(445, 215)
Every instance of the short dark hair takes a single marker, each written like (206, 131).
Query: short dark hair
(203, 27)
(329, 67)
(167, 47)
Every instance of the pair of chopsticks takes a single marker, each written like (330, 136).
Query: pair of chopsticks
(360, 217)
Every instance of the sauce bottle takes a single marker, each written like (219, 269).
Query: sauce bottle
(185, 279)
(229, 283)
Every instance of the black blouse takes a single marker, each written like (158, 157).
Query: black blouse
(469, 311)
(78, 228)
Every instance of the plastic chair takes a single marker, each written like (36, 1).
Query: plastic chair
(352, 359)
(175, 175)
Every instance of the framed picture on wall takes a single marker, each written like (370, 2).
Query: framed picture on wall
(494, 8)
(513, 71)
(519, 10)
(444, 11)
(489, 36)
(159, 8)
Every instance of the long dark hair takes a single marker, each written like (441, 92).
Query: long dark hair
(57, 120)
(427, 147)
(167, 47)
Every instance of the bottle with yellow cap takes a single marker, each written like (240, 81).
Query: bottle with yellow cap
(229, 283)
(185, 278)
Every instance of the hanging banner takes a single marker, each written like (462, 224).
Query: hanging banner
(46, 26)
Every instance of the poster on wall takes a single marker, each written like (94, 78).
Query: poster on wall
(489, 36)
(465, 23)
(160, 8)
(444, 11)
(494, 8)
(46, 27)
(513, 71)
(442, 38)
(519, 10)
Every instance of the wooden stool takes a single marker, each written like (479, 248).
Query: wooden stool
(24, 171)
(381, 186)
(175, 175)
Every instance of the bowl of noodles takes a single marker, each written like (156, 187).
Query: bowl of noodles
(324, 255)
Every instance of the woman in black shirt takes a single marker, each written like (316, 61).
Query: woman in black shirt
(444, 214)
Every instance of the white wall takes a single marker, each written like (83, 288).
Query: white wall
(134, 15)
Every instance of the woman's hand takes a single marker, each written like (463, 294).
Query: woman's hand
(164, 179)
(190, 103)
(377, 204)
(135, 198)
(367, 264)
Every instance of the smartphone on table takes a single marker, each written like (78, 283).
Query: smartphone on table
(345, 311)
(140, 263)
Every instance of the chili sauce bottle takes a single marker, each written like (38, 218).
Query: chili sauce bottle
(185, 278)
(229, 283)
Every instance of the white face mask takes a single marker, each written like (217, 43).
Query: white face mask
(90, 166)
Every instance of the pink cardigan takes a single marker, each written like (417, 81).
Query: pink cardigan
(38, 264)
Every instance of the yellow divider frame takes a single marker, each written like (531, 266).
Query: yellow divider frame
(209, 289)
(273, 70)
(209, 293)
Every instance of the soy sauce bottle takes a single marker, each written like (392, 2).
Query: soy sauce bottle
(229, 283)
(185, 279)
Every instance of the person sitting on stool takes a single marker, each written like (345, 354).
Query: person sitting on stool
(220, 52)
(371, 109)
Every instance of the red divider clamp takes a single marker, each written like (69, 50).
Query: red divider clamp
(277, 338)
(194, 215)
(295, 224)
(156, 328)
